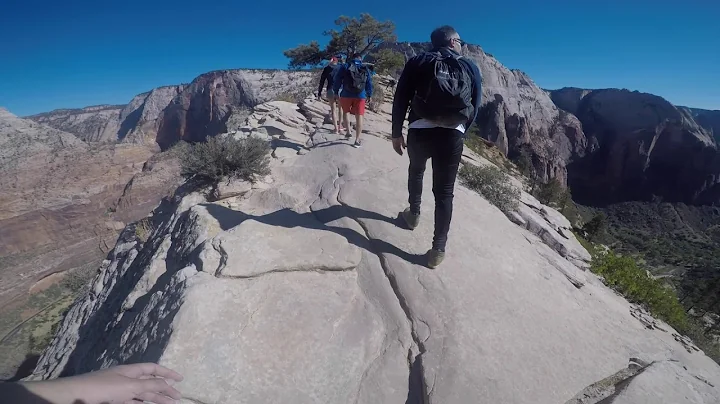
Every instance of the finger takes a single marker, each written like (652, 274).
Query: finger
(159, 386)
(155, 398)
(151, 369)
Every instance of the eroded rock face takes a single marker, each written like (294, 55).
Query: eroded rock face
(518, 115)
(92, 124)
(134, 122)
(332, 304)
(63, 201)
(139, 119)
(708, 119)
(205, 106)
(641, 148)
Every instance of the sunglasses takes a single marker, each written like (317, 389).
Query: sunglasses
(460, 41)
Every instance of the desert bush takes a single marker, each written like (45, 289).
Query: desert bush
(76, 280)
(143, 229)
(552, 193)
(493, 184)
(596, 226)
(388, 61)
(378, 98)
(473, 141)
(623, 274)
(226, 157)
(289, 96)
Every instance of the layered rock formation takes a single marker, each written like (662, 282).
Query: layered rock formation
(139, 118)
(205, 106)
(134, 122)
(305, 288)
(165, 115)
(98, 123)
(641, 147)
(708, 119)
(518, 115)
(63, 203)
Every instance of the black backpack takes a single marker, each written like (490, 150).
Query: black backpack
(355, 78)
(445, 97)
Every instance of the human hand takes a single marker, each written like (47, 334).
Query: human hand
(399, 144)
(116, 385)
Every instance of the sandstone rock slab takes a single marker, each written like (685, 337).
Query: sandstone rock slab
(231, 188)
(254, 248)
(667, 382)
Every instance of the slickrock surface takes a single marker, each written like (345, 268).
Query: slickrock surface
(305, 288)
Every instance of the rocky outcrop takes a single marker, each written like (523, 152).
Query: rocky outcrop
(205, 106)
(708, 119)
(134, 122)
(139, 119)
(306, 289)
(98, 123)
(641, 147)
(519, 117)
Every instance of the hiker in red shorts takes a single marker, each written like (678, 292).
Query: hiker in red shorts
(356, 82)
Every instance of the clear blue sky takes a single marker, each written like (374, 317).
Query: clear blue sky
(57, 54)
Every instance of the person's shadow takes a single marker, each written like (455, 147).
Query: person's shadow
(228, 218)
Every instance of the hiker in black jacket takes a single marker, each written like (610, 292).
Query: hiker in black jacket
(442, 90)
(328, 75)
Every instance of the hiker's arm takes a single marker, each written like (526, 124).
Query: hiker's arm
(404, 92)
(323, 78)
(337, 79)
(119, 384)
(477, 92)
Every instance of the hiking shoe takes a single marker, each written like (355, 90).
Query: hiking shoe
(412, 220)
(357, 144)
(348, 135)
(435, 258)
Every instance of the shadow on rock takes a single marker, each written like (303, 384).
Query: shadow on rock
(26, 367)
(416, 387)
(228, 218)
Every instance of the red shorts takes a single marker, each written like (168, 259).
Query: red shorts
(355, 106)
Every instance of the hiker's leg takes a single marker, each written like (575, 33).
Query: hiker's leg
(418, 154)
(339, 111)
(335, 119)
(358, 126)
(446, 155)
(346, 104)
(360, 111)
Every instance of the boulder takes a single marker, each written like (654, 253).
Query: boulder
(231, 188)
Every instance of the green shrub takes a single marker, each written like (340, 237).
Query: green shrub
(288, 96)
(623, 274)
(378, 98)
(493, 184)
(596, 226)
(77, 279)
(388, 61)
(590, 247)
(474, 142)
(552, 194)
(143, 229)
(225, 157)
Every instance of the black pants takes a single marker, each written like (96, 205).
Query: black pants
(444, 147)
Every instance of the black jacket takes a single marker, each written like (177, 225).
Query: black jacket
(410, 80)
(328, 74)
